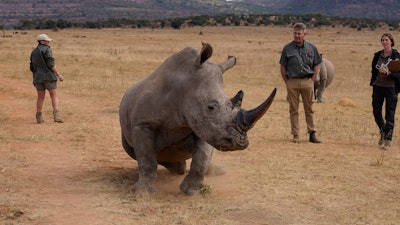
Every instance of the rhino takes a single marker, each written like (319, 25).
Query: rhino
(324, 79)
(180, 111)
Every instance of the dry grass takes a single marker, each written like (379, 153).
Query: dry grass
(78, 173)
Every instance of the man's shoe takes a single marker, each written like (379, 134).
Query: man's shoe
(386, 146)
(314, 139)
(296, 139)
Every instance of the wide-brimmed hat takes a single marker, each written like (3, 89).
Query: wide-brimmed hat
(43, 37)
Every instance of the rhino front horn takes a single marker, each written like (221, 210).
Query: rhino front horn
(248, 119)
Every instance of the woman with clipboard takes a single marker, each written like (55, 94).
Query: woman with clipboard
(385, 81)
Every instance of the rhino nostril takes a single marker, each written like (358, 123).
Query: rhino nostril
(229, 140)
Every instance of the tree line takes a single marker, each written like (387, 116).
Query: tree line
(313, 20)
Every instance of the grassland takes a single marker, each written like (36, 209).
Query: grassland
(78, 173)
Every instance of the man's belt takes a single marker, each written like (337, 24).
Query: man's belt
(303, 77)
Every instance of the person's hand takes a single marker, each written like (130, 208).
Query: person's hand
(383, 69)
(60, 77)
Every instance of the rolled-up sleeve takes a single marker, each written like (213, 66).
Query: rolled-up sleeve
(48, 55)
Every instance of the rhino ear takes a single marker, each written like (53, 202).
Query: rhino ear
(229, 63)
(206, 52)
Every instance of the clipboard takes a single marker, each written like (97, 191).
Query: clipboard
(394, 66)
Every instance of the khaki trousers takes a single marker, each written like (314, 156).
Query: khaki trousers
(304, 88)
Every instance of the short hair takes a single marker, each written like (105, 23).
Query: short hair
(389, 36)
(300, 26)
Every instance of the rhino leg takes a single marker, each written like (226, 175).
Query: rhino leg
(175, 168)
(128, 148)
(193, 182)
(320, 91)
(147, 161)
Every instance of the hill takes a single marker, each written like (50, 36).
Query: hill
(13, 11)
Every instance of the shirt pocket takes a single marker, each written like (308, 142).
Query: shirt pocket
(310, 56)
(293, 59)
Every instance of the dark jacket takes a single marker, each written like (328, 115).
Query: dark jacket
(374, 72)
(41, 62)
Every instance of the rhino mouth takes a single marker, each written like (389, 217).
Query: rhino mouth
(236, 140)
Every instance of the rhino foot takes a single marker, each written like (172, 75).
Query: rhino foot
(191, 187)
(191, 190)
(214, 170)
(143, 188)
(320, 100)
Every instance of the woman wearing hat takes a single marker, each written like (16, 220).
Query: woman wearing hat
(45, 76)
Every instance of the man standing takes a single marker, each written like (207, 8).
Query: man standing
(299, 68)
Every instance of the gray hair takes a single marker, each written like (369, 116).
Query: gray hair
(300, 26)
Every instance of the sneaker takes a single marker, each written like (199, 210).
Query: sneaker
(296, 139)
(39, 117)
(386, 146)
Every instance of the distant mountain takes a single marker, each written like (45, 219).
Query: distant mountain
(376, 9)
(12, 11)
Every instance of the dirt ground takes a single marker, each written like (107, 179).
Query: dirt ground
(77, 172)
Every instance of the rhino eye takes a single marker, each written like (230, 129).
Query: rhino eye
(212, 105)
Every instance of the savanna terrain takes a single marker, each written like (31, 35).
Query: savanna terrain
(78, 173)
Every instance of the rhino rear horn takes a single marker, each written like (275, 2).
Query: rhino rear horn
(205, 54)
(250, 117)
(237, 100)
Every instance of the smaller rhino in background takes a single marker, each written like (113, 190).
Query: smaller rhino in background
(324, 79)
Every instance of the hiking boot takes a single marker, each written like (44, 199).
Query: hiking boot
(314, 139)
(382, 140)
(57, 117)
(386, 146)
(39, 117)
(296, 139)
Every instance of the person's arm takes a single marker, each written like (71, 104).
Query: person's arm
(60, 77)
(374, 70)
(315, 74)
(283, 74)
(48, 55)
(283, 62)
(317, 62)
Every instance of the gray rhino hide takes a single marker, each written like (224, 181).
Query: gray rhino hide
(180, 111)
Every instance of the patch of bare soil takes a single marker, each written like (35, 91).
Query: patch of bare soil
(46, 168)
(71, 173)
